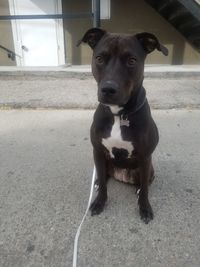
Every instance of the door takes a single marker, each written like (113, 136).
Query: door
(40, 42)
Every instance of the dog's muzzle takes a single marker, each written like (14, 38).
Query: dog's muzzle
(108, 92)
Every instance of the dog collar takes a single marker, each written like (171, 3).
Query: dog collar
(140, 102)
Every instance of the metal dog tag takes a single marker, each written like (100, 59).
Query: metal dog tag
(124, 122)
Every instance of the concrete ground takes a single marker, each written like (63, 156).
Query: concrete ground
(46, 167)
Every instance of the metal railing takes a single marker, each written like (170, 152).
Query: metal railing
(12, 55)
(49, 16)
(95, 15)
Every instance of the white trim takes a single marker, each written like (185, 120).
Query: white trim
(104, 9)
(60, 34)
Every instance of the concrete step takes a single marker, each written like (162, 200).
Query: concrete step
(52, 92)
(151, 71)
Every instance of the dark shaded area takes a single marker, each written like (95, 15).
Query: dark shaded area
(183, 15)
(120, 153)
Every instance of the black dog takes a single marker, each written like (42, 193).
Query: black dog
(123, 133)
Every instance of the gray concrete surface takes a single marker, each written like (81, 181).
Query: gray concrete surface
(45, 172)
(155, 71)
(61, 93)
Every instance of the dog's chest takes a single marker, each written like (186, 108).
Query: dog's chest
(115, 141)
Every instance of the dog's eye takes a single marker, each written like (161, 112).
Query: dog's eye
(99, 60)
(131, 61)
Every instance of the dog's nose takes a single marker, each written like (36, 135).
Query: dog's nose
(108, 90)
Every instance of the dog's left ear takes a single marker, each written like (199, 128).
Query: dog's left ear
(92, 37)
(149, 43)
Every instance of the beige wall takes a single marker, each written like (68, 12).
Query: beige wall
(73, 31)
(131, 16)
(6, 38)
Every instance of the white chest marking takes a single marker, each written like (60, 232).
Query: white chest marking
(115, 139)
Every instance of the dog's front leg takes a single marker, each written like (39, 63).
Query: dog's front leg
(100, 164)
(146, 212)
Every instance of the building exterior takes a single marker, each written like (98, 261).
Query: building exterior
(52, 42)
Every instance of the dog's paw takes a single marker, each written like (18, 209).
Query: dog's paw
(146, 213)
(97, 206)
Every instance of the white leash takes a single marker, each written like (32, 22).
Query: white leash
(79, 228)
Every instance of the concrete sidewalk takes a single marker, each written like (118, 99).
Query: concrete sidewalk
(68, 92)
(45, 175)
(46, 167)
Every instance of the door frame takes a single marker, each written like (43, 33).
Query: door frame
(17, 35)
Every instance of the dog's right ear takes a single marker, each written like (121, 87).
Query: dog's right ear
(92, 37)
(149, 43)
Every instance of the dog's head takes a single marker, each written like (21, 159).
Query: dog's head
(118, 62)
